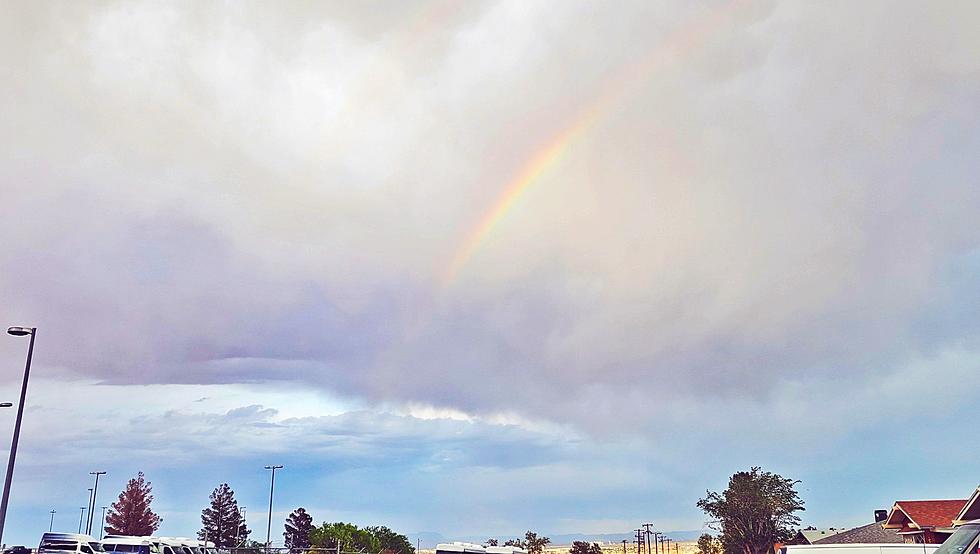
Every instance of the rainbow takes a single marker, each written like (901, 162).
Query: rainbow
(554, 150)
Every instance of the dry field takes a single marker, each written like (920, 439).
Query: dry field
(680, 548)
(675, 548)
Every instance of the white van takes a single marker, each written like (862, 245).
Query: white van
(64, 543)
(505, 550)
(460, 548)
(124, 543)
(170, 545)
(860, 548)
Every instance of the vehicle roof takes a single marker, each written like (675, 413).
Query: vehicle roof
(67, 537)
(460, 547)
(169, 541)
(886, 545)
(505, 550)
(124, 539)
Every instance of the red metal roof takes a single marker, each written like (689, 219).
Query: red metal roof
(932, 513)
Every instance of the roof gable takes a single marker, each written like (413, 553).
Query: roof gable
(971, 510)
(924, 514)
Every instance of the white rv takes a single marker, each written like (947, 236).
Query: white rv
(859, 548)
(460, 548)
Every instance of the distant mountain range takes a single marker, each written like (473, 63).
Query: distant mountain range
(429, 540)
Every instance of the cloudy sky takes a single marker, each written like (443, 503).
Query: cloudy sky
(479, 267)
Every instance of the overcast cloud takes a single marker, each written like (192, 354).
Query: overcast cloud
(764, 246)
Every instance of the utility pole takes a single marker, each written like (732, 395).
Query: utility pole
(624, 546)
(81, 518)
(51, 525)
(102, 527)
(91, 510)
(647, 526)
(639, 541)
(656, 542)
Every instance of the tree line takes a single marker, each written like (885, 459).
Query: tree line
(222, 523)
(755, 512)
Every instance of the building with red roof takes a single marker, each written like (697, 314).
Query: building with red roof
(926, 521)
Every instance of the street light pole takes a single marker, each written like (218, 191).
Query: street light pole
(51, 525)
(272, 487)
(91, 510)
(17, 332)
(81, 518)
(241, 519)
(102, 527)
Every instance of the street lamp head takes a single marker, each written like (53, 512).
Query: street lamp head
(6, 404)
(19, 331)
(273, 467)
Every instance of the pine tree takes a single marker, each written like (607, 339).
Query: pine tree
(131, 514)
(222, 522)
(298, 526)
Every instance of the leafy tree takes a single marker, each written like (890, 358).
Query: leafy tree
(708, 544)
(391, 542)
(757, 510)
(582, 547)
(490, 542)
(514, 542)
(348, 536)
(131, 514)
(298, 527)
(222, 522)
(534, 544)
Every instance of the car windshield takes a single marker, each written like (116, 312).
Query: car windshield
(959, 541)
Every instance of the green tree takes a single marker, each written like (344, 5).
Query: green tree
(707, 544)
(583, 547)
(534, 544)
(131, 513)
(222, 522)
(757, 510)
(390, 542)
(298, 527)
(514, 542)
(490, 542)
(349, 537)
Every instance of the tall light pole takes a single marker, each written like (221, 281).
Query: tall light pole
(51, 525)
(91, 503)
(241, 519)
(17, 332)
(81, 518)
(272, 487)
(102, 527)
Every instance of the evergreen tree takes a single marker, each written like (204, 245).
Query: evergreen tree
(298, 526)
(131, 514)
(222, 522)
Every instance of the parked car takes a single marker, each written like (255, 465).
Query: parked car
(17, 550)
